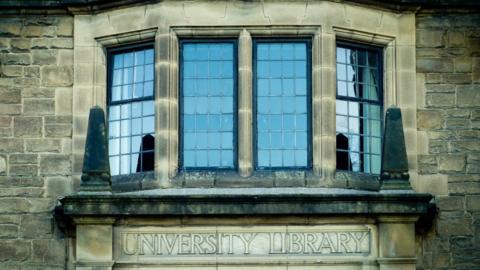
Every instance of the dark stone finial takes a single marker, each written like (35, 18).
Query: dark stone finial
(394, 174)
(96, 166)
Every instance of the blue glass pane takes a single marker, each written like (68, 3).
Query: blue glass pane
(208, 105)
(118, 61)
(149, 56)
(281, 81)
(139, 58)
(128, 60)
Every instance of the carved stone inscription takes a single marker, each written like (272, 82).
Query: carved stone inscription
(160, 243)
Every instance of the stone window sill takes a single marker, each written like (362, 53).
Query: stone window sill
(259, 179)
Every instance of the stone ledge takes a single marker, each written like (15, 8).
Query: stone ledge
(93, 6)
(246, 201)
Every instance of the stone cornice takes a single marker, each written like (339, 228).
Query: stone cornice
(47, 7)
(246, 202)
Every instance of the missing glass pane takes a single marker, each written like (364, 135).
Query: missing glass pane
(130, 111)
(358, 108)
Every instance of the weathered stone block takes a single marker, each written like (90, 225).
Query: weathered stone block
(14, 205)
(10, 95)
(58, 119)
(11, 145)
(32, 72)
(57, 186)
(427, 164)
(39, 31)
(8, 231)
(456, 39)
(42, 205)
(27, 126)
(440, 88)
(461, 242)
(437, 244)
(12, 71)
(463, 64)
(457, 123)
(65, 27)
(20, 181)
(21, 192)
(465, 146)
(450, 203)
(468, 95)
(44, 57)
(458, 78)
(441, 260)
(10, 29)
(43, 145)
(4, 45)
(41, 20)
(440, 100)
(23, 170)
(61, 43)
(467, 134)
(16, 59)
(5, 121)
(430, 119)
(14, 250)
(24, 81)
(96, 243)
(20, 44)
(40, 43)
(51, 251)
(38, 92)
(57, 76)
(39, 106)
(454, 223)
(58, 130)
(36, 226)
(3, 164)
(430, 38)
(65, 57)
(434, 65)
(437, 146)
(55, 164)
(473, 203)
(476, 69)
(462, 188)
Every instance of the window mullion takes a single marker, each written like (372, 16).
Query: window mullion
(245, 132)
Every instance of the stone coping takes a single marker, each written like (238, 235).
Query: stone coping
(246, 201)
(92, 6)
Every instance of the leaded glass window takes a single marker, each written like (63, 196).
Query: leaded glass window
(359, 109)
(208, 105)
(131, 114)
(282, 79)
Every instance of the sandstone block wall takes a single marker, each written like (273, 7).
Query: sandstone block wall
(448, 121)
(36, 79)
(36, 75)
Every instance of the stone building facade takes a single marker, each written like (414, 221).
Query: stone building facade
(54, 68)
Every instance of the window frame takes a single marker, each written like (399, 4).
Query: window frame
(235, 96)
(380, 50)
(110, 52)
(280, 39)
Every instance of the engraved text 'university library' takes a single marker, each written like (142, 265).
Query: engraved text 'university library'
(254, 243)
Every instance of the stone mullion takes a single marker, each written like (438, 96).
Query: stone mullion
(166, 150)
(327, 101)
(173, 118)
(245, 89)
(316, 104)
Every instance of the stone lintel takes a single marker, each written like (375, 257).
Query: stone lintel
(248, 202)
